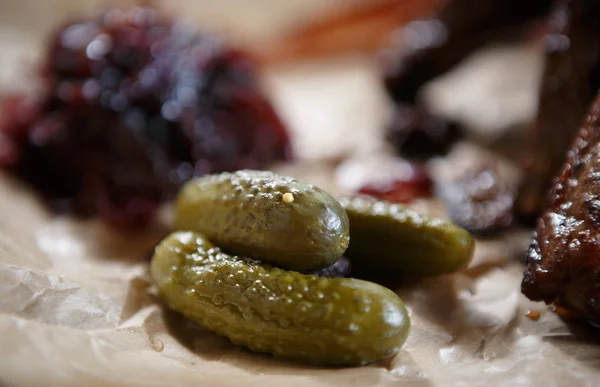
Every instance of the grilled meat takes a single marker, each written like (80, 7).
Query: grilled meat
(563, 261)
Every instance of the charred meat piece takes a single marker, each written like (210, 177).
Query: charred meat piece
(479, 200)
(425, 49)
(428, 48)
(131, 106)
(571, 79)
(563, 261)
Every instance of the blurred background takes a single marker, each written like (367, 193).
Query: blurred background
(319, 66)
(333, 46)
(24, 24)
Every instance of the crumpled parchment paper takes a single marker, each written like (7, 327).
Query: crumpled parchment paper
(78, 308)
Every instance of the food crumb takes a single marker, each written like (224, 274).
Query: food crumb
(533, 315)
(158, 345)
(288, 197)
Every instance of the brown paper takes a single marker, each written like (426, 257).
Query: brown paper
(78, 308)
(77, 305)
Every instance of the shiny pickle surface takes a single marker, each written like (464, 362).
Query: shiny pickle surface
(326, 321)
(263, 215)
(387, 236)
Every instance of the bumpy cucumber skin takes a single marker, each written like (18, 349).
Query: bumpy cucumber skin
(325, 321)
(387, 236)
(244, 213)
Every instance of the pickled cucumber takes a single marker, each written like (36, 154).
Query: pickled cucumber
(387, 236)
(262, 215)
(330, 321)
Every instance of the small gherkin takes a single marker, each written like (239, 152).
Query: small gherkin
(387, 236)
(259, 214)
(329, 321)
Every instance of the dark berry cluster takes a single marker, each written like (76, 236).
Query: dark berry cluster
(401, 188)
(417, 134)
(130, 106)
(479, 200)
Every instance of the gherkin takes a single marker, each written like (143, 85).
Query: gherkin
(387, 237)
(328, 321)
(259, 214)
